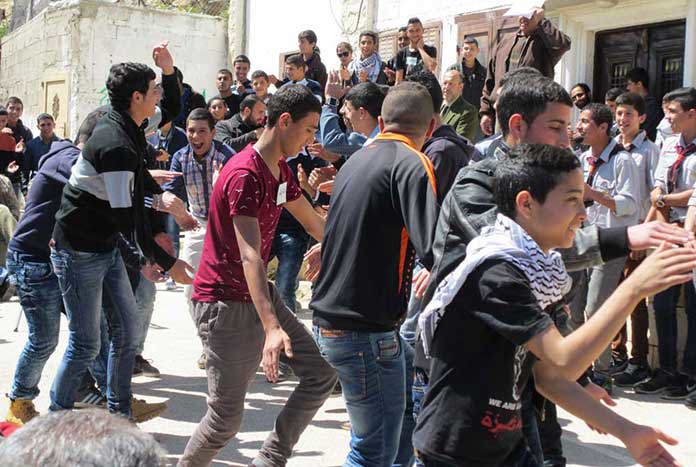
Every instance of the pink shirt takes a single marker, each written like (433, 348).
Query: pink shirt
(246, 187)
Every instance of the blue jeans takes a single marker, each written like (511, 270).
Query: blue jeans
(289, 248)
(418, 388)
(41, 301)
(145, 301)
(88, 280)
(665, 306)
(173, 231)
(371, 369)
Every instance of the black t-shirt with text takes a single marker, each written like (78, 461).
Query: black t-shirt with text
(411, 61)
(471, 414)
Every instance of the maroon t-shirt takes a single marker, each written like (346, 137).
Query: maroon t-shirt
(245, 187)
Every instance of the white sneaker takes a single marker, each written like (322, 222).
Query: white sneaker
(170, 284)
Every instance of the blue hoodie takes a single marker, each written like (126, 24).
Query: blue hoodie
(43, 200)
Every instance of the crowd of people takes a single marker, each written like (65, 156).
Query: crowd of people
(476, 245)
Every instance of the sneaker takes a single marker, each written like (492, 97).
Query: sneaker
(144, 368)
(337, 390)
(142, 411)
(679, 392)
(691, 401)
(659, 382)
(632, 375)
(618, 365)
(21, 411)
(602, 380)
(202, 361)
(90, 399)
(170, 285)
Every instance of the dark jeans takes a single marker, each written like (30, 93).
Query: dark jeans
(640, 324)
(418, 388)
(41, 301)
(665, 305)
(289, 248)
(86, 281)
(173, 231)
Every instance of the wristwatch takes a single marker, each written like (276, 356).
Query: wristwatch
(332, 101)
(660, 203)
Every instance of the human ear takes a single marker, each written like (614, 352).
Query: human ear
(523, 204)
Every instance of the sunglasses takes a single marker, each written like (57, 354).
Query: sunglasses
(342, 54)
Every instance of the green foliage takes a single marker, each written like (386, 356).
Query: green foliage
(4, 28)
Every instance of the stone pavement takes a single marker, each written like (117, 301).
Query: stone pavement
(174, 349)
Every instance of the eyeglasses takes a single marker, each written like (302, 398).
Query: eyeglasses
(342, 54)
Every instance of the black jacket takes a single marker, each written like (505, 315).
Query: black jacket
(235, 133)
(473, 82)
(107, 192)
(449, 153)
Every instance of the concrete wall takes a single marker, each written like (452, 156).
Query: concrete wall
(80, 42)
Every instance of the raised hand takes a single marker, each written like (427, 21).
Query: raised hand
(12, 167)
(20, 146)
(163, 58)
(333, 86)
(652, 234)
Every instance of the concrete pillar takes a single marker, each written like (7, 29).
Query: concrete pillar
(356, 16)
(236, 29)
(690, 45)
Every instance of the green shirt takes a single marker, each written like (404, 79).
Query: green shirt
(462, 116)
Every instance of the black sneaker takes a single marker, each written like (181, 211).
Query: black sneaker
(337, 390)
(144, 368)
(90, 399)
(659, 383)
(618, 365)
(691, 401)
(632, 375)
(679, 392)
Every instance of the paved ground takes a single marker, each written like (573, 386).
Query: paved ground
(174, 349)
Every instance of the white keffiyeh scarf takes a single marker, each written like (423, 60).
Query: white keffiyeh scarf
(505, 240)
(372, 65)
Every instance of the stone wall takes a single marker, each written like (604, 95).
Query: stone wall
(79, 43)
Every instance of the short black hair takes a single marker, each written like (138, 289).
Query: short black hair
(529, 98)
(634, 100)
(638, 74)
(224, 71)
(612, 94)
(408, 107)
(585, 87)
(241, 59)
(44, 116)
(125, 79)
(371, 34)
(685, 96)
(14, 100)
(402, 29)
(87, 126)
(213, 99)
(295, 60)
(427, 79)
(259, 74)
(470, 40)
(600, 113)
(536, 168)
(295, 99)
(369, 96)
(310, 35)
(414, 20)
(201, 114)
(3, 111)
(249, 102)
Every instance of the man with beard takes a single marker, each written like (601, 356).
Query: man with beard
(245, 126)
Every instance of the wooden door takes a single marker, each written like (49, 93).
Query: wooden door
(658, 48)
(56, 104)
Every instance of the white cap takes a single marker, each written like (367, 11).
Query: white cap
(524, 8)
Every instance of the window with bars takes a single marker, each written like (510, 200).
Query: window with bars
(671, 73)
(618, 74)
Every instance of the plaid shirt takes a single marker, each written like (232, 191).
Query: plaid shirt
(197, 178)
